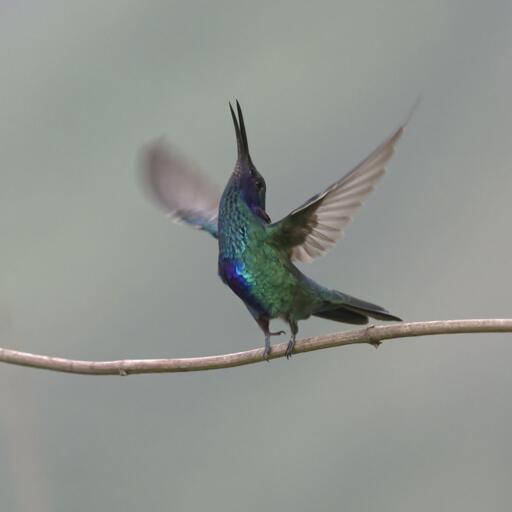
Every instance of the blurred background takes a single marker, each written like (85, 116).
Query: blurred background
(91, 269)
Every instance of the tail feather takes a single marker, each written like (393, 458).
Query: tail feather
(343, 315)
(345, 308)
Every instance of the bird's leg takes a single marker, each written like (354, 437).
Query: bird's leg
(267, 341)
(290, 347)
(294, 328)
(266, 351)
(263, 322)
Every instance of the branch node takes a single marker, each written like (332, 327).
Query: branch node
(373, 338)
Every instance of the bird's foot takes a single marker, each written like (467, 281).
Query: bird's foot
(290, 347)
(266, 350)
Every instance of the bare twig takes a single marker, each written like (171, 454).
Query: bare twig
(373, 335)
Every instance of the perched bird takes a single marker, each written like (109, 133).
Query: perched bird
(256, 256)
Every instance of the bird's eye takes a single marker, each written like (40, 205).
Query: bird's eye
(259, 185)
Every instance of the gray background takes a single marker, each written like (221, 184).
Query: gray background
(91, 269)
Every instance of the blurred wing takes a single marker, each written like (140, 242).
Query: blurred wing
(179, 188)
(313, 228)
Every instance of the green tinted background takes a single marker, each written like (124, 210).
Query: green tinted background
(91, 269)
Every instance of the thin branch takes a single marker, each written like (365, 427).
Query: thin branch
(373, 335)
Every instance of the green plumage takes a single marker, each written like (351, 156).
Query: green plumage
(255, 264)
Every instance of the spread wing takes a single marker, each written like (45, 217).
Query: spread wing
(179, 188)
(312, 229)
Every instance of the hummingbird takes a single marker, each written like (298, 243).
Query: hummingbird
(256, 256)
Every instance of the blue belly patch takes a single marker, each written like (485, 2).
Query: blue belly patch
(235, 274)
(240, 280)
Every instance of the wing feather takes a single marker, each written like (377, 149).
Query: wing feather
(312, 229)
(179, 188)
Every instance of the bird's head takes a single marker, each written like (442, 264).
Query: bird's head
(250, 182)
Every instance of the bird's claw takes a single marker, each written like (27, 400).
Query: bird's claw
(289, 349)
(268, 348)
(266, 354)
